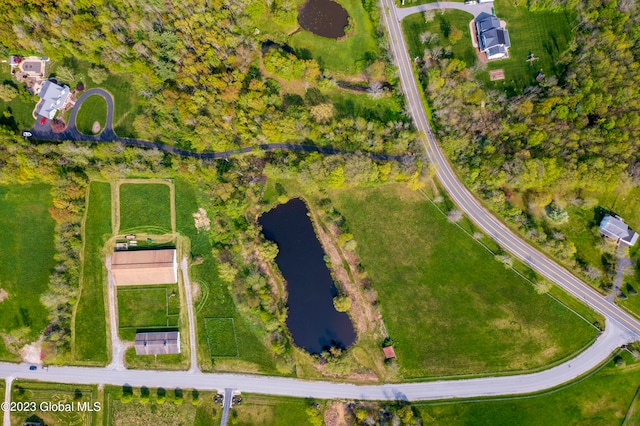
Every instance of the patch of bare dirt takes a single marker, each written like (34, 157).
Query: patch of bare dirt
(195, 290)
(3, 294)
(95, 128)
(31, 353)
(335, 414)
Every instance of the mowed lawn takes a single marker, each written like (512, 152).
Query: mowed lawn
(215, 300)
(93, 109)
(348, 56)
(145, 208)
(267, 410)
(26, 259)
(154, 306)
(448, 305)
(544, 34)
(20, 110)
(608, 397)
(442, 24)
(90, 342)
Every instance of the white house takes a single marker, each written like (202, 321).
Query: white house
(52, 98)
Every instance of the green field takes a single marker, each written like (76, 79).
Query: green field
(154, 306)
(216, 302)
(475, 316)
(545, 34)
(26, 261)
(267, 410)
(442, 24)
(145, 208)
(21, 110)
(604, 398)
(153, 412)
(348, 56)
(94, 108)
(90, 328)
(44, 394)
(221, 337)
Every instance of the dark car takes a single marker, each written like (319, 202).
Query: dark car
(33, 367)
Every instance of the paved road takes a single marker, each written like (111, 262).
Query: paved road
(474, 9)
(226, 406)
(43, 132)
(473, 208)
(607, 342)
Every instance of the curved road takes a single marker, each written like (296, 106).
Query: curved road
(620, 328)
(71, 133)
(474, 209)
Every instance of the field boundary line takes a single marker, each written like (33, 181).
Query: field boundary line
(235, 337)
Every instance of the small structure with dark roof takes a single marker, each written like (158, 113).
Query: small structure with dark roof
(157, 343)
(388, 352)
(614, 228)
(493, 40)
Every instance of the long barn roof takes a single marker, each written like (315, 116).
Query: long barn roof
(144, 267)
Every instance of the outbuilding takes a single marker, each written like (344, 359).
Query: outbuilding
(157, 343)
(136, 267)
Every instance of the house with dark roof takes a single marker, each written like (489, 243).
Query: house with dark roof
(614, 228)
(493, 40)
(52, 98)
(157, 343)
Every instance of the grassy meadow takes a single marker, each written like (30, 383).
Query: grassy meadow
(214, 300)
(90, 328)
(147, 306)
(145, 207)
(475, 316)
(51, 393)
(26, 261)
(161, 407)
(267, 410)
(606, 397)
(20, 108)
(93, 109)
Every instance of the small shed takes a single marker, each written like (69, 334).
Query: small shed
(388, 352)
(157, 343)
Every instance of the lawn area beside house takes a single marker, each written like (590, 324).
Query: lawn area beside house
(475, 316)
(442, 24)
(93, 109)
(144, 207)
(544, 34)
(214, 300)
(348, 56)
(26, 262)
(606, 397)
(20, 108)
(90, 326)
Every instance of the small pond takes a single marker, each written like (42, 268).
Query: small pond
(325, 18)
(313, 321)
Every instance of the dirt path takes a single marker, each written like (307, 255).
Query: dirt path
(118, 348)
(6, 420)
(184, 266)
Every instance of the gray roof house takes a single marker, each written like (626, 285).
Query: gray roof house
(157, 343)
(52, 98)
(492, 38)
(614, 228)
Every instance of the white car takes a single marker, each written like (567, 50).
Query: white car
(27, 134)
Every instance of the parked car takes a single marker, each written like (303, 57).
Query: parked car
(33, 367)
(27, 134)
(44, 120)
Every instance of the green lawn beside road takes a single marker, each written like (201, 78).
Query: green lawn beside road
(451, 308)
(90, 327)
(26, 261)
(93, 109)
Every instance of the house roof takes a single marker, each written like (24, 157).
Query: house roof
(493, 39)
(487, 23)
(157, 343)
(144, 267)
(389, 352)
(52, 98)
(615, 228)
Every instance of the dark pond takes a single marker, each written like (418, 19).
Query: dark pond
(325, 18)
(313, 321)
